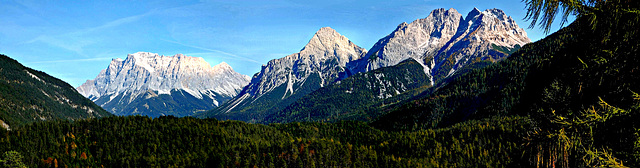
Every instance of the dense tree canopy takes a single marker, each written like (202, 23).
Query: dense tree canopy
(189, 142)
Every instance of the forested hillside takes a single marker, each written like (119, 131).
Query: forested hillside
(28, 95)
(189, 142)
(350, 99)
(568, 71)
(579, 86)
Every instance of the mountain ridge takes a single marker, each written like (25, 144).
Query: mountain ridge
(444, 41)
(143, 75)
(361, 90)
(28, 95)
(444, 34)
(281, 81)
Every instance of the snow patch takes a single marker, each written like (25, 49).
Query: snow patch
(321, 78)
(164, 91)
(34, 76)
(237, 102)
(289, 86)
(193, 93)
(141, 61)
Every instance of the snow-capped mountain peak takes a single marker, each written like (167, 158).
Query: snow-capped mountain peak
(445, 41)
(318, 64)
(143, 72)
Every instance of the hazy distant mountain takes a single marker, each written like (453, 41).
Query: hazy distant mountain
(446, 41)
(153, 85)
(28, 95)
(284, 80)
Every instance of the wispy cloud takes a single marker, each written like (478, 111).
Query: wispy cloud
(121, 21)
(76, 41)
(65, 41)
(226, 58)
(237, 57)
(117, 22)
(73, 60)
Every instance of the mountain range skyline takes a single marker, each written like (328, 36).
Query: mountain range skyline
(459, 87)
(153, 85)
(245, 35)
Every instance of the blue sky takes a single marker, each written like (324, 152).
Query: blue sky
(75, 40)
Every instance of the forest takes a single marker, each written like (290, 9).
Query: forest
(137, 141)
(28, 95)
(362, 91)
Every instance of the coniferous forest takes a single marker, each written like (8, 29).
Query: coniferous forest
(569, 100)
(190, 142)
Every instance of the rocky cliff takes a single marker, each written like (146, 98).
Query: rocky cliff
(149, 84)
(445, 41)
(284, 80)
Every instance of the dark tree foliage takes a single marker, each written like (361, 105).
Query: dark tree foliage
(188, 142)
(28, 95)
(577, 85)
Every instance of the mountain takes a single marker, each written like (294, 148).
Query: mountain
(153, 85)
(443, 44)
(445, 41)
(284, 80)
(360, 91)
(578, 87)
(28, 95)
(568, 100)
(561, 75)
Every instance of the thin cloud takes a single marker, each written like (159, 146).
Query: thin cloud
(217, 55)
(117, 22)
(57, 41)
(214, 50)
(76, 41)
(72, 60)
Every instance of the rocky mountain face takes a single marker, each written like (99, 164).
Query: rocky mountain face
(153, 85)
(353, 97)
(407, 62)
(445, 41)
(442, 43)
(284, 80)
(28, 95)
